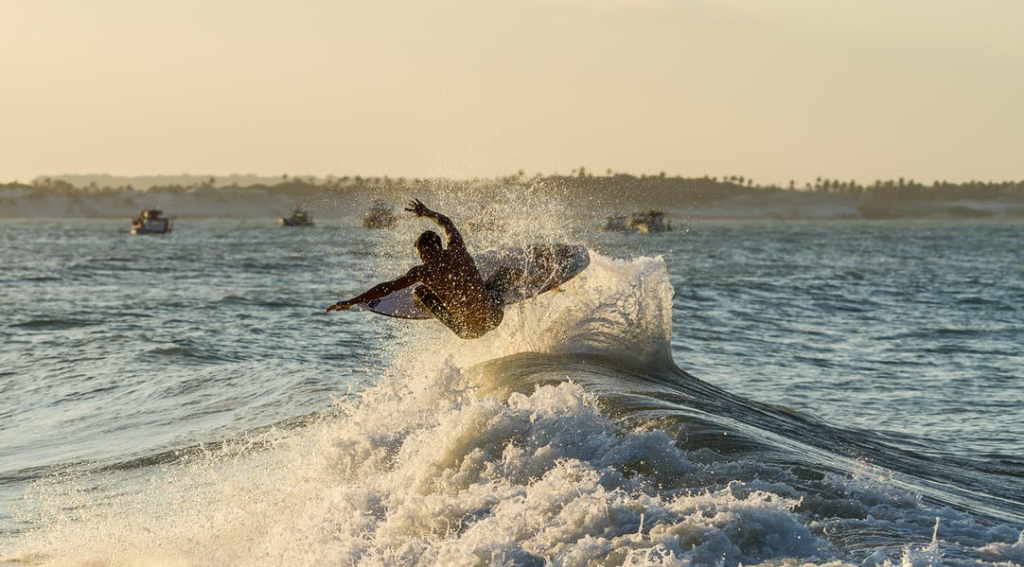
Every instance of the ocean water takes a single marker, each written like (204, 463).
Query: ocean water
(755, 393)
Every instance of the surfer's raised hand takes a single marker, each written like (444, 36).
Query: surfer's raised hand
(417, 208)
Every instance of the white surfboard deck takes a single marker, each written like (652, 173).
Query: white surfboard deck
(544, 267)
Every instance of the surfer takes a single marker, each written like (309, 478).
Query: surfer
(451, 287)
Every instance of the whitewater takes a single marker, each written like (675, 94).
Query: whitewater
(854, 399)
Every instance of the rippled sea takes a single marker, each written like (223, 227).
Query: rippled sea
(726, 393)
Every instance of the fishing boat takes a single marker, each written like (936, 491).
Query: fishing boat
(380, 215)
(615, 223)
(650, 221)
(298, 217)
(151, 221)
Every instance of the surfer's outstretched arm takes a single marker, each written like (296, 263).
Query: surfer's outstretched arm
(378, 291)
(419, 209)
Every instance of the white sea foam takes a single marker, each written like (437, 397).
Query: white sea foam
(438, 476)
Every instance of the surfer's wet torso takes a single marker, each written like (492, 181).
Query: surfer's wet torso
(451, 287)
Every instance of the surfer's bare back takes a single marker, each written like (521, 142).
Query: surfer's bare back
(451, 287)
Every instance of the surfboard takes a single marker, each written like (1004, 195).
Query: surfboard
(544, 267)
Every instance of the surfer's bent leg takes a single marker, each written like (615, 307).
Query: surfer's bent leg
(432, 303)
(497, 286)
(499, 283)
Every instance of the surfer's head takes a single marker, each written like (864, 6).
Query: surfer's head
(429, 245)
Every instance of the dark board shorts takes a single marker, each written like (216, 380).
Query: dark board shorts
(497, 286)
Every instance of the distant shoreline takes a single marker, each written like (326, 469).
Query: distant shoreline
(587, 195)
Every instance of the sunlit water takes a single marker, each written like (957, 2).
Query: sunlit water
(729, 392)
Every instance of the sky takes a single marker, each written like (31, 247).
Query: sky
(771, 90)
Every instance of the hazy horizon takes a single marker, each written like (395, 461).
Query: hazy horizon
(521, 177)
(792, 90)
